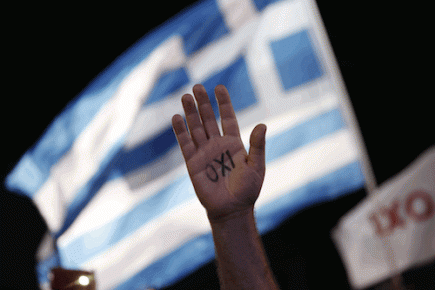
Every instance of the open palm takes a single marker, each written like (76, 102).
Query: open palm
(226, 179)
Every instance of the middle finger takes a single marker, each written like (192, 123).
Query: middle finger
(194, 124)
(206, 111)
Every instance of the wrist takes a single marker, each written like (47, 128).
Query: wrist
(238, 217)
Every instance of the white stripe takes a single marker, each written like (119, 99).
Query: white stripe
(117, 197)
(166, 233)
(156, 117)
(45, 286)
(46, 247)
(237, 12)
(51, 204)
(284, 18)
(221, 53)
(276, 124)
(108, 126)
(306, 164)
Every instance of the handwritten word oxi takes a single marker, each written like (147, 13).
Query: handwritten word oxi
(211, 171)
(387, 219)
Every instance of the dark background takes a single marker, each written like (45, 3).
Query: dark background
(50, 53)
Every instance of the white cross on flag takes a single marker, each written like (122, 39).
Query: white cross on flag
(393, 229)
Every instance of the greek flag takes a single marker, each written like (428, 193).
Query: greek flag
(108, 176)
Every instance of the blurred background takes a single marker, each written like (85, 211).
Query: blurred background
(51, 53)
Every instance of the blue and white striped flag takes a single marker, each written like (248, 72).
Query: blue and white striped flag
(108, 176)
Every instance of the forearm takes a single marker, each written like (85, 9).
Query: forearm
(242, 262)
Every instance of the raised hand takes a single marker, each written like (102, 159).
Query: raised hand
(226, 179)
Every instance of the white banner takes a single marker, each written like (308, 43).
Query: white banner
(393, 229)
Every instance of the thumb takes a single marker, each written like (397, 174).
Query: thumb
(257, 142)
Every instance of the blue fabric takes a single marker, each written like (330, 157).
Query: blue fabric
(296, 60)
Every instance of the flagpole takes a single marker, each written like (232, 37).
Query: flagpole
(371, 183)
(348, 112)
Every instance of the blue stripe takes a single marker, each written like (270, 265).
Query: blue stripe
(296, 60)
(261, 4)
(180, 190)
(236, 79)
(168, 83)
(43, 268)
(200, 26)
(33, 169)
(347, 179)
(303, 134)
(199, 251)
(146, 153)
(178, 264)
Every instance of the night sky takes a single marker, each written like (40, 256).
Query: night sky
(51, 53)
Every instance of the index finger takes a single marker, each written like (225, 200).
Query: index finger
(230, 125)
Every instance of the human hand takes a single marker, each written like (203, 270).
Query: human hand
(226, 179)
